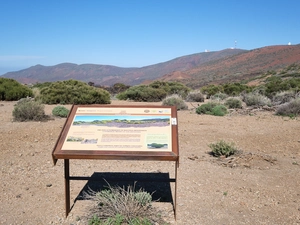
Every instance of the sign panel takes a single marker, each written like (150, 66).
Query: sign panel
(119, 132)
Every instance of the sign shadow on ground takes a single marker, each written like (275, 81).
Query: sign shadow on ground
(156, 184)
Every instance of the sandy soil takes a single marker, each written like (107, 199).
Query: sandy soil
(259, 186)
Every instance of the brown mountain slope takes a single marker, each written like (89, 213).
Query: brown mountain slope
(238, 67)
(109, 75)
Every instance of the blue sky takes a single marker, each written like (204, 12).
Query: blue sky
(137, 33)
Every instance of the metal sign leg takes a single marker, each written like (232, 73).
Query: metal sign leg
(67, 186)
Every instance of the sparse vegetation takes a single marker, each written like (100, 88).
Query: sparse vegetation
(291, 109)
(175, 100)
(117, 205)
(223, 148)
(60, 111)
(11, 90)
(27, 110)
(73, 92)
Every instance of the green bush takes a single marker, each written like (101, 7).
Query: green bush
(291, 108)
(206, 108)
(222, 148)
(195, 96)
(11, 90)
(73, 92)
(175, 100)
(27, 109)
(233, 103)
(154, 92)
(234, 89)
(211, 90)
(256, 99)
(171, 88)
(219, 110)
(276, 84)
(142, 93)
(212, 108)
(60, 111)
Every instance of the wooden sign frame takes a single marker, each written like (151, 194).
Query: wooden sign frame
(118, 132)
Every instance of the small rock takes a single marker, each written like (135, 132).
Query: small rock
(48, 185)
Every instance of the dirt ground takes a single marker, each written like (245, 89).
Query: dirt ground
(259, 186)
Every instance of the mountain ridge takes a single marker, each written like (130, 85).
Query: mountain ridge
(194, 70)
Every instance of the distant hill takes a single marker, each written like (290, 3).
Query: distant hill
(243, 66)
(109, 75)
(194, 70)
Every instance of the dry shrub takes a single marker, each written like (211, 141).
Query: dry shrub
(27, 109)
(126, 204)
(195, 96)
(283, 97)
(291, 108)
(175, 100)
(256, 99)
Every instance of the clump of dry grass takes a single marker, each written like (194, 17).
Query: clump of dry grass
(124, 203)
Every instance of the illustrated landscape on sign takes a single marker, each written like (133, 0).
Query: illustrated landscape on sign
(121, 123)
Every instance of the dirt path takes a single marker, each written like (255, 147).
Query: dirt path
(260, 186)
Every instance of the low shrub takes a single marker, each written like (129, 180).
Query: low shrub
(233, 103)
(73, 92)
(212, 108)
(234, 89)
(27, 109)
(219, 110)
(256, 99)
(175, 100)
(291, 108)
(143, 93)
(60, 111)
(126, 206)
(171, 87)
(219, 96)
(211, 90)
(283, 97)
(206, 108)
(222, 148)
(195, 96)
